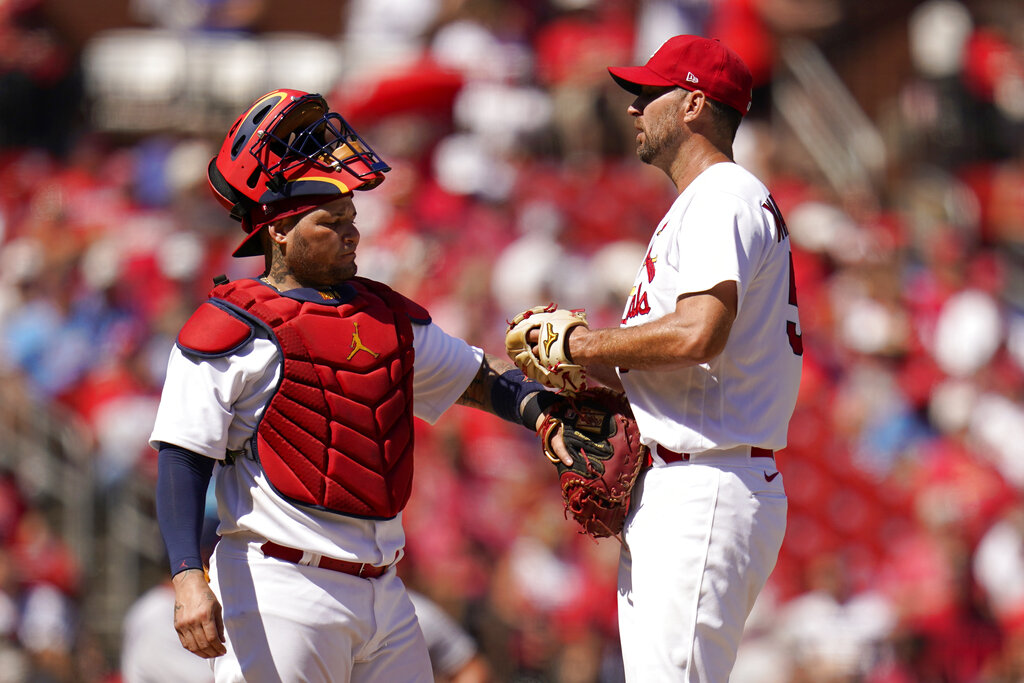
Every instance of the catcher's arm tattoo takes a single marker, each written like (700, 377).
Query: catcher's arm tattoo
(480, 395)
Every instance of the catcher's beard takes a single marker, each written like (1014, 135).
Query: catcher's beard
(308, 269)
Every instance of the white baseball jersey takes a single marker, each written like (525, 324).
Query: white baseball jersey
(723, 226)
(214, 405)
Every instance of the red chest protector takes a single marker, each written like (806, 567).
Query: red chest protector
(338, 432)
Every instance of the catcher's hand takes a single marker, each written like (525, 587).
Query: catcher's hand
(601, 435)
(548, 361)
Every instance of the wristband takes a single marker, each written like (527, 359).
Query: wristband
(536, 405)
(508, 392)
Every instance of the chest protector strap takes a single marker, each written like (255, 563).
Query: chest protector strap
(337, 434)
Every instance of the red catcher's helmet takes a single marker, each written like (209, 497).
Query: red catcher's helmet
(288, 150)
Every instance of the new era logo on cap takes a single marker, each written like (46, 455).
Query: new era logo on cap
(722, 74)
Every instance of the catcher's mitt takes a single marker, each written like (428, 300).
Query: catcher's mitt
(601, 435)
(551, 365)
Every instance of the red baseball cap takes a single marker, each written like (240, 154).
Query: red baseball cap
(693, 63)
(263, 215)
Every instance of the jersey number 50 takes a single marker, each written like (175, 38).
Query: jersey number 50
(796, 340)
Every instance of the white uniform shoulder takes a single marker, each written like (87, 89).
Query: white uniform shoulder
(730, 178)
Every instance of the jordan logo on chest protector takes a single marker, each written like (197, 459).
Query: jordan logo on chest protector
(357, 344)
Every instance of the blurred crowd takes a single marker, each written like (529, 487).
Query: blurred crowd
(514, 183)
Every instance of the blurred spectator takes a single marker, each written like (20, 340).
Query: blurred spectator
(39, 551)
(831, 632)
(150, 649)
(193, 14)
(453, 653)
(47, 632)
(13, 659)
(998, 565)
(39, 79)
(385, 32)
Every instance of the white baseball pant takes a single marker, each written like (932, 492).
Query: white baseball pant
(701, 540)
(292, 623)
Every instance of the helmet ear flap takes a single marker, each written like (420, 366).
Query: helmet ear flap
(239, 204)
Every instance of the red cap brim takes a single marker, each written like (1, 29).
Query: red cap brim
(634, 78)
(250, 246)
(263, 215)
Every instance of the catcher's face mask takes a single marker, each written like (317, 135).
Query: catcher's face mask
(289, 145)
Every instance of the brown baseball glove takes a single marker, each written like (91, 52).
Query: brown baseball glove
(601, 435)
(551, 364)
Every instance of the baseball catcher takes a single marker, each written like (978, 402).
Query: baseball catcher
(301, 385)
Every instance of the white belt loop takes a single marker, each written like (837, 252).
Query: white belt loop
(310, 559)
